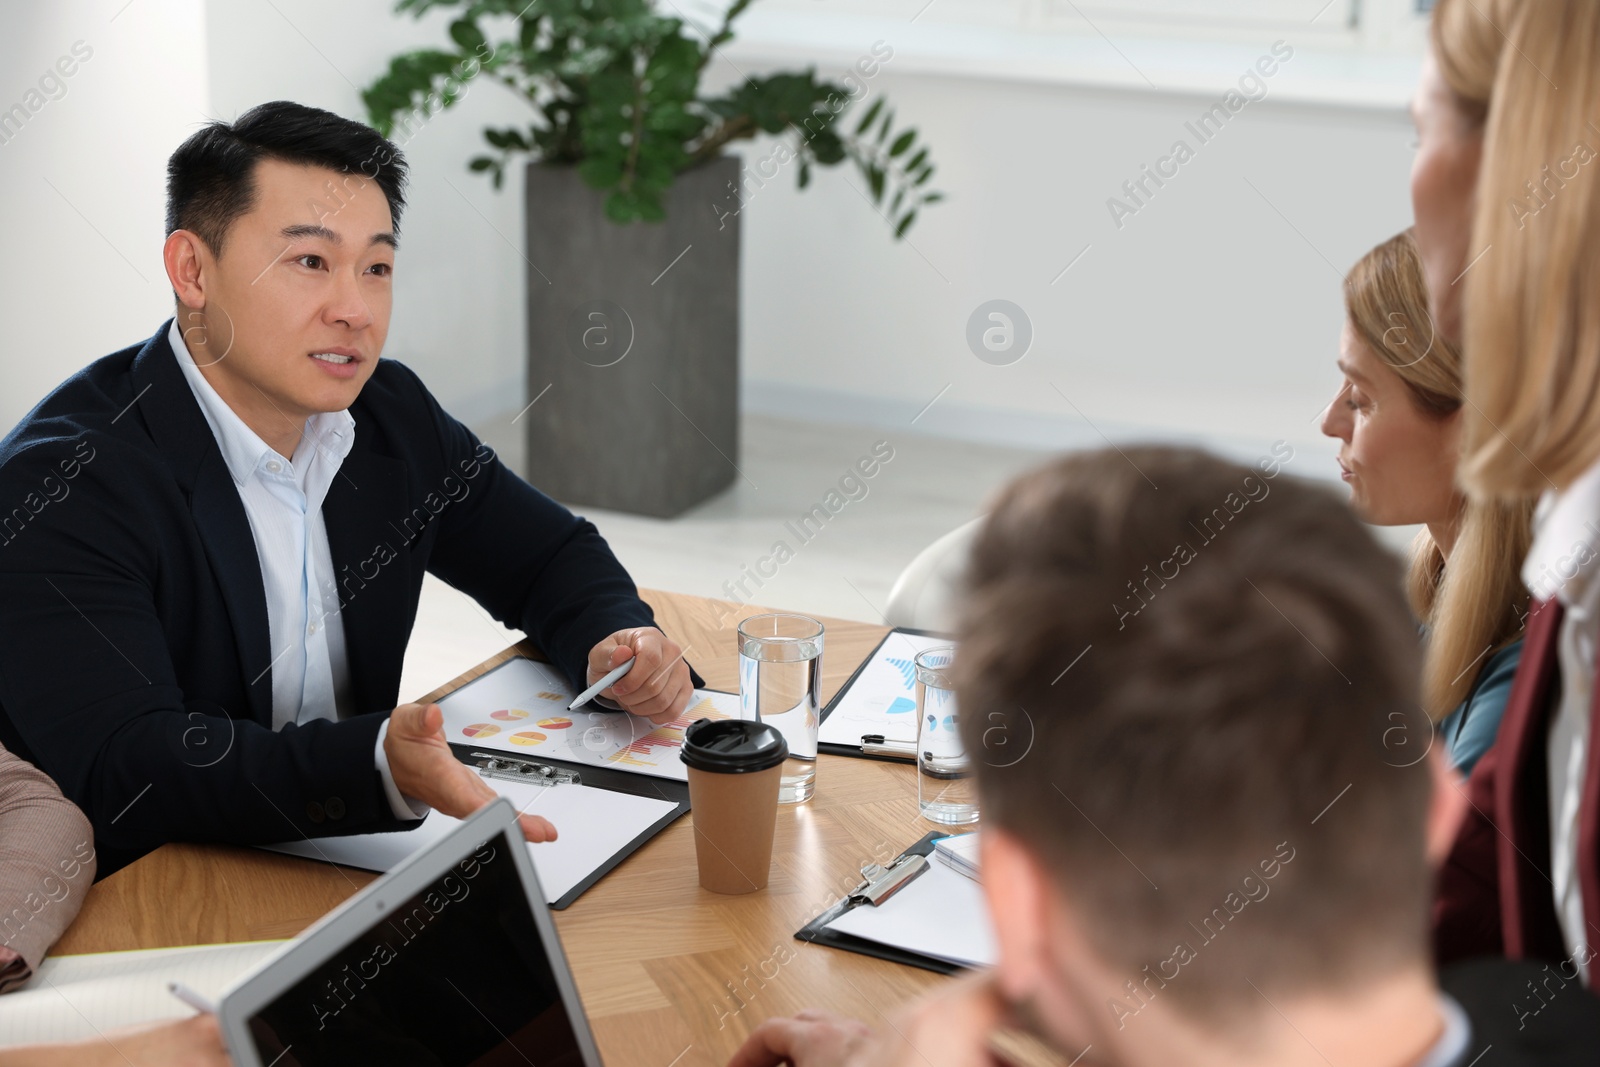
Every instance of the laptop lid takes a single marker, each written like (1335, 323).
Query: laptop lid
(449, 959)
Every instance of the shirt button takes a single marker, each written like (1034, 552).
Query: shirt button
(274, 466)
(312, 630)
(334, 808)
(314, 812)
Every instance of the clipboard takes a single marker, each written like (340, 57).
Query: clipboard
(854, 750)
(613, 781)
(368, 853)
(817, 933)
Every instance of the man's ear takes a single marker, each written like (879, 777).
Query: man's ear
(1446, 808)
(1017, 890)
(186, 257)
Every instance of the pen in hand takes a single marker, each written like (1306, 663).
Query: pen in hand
(611, 678)
(191, 998)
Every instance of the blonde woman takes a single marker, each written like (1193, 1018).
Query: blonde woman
(1398, 418)
(1508, 226)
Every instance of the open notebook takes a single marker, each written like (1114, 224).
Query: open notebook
(74, 997)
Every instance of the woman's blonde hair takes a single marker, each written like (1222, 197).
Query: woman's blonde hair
(1478, 602)
(1528, 74)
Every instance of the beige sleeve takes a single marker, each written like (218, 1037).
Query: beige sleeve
(47, 863)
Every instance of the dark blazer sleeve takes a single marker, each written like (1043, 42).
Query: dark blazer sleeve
(1466, 907)
(88, 683)
(531, 563)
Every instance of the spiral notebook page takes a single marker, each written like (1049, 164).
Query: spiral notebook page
(74, 997)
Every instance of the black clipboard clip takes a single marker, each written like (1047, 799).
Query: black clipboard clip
(522, 770)
(880, 883)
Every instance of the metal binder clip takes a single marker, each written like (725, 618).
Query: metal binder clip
(881, 883)
(522, 770)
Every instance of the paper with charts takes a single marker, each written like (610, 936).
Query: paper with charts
(882, 699)
(520, 707)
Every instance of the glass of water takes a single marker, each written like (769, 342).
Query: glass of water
(946, 790)
(780, 680)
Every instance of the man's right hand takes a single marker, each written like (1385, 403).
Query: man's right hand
(424, 767)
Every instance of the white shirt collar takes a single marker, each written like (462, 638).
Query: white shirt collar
(242, 448)
(1453, 1043)
(1565, 557)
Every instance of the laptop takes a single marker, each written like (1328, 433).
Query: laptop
(449, 959)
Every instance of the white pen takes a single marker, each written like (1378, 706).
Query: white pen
(610, 679)
(191, 998)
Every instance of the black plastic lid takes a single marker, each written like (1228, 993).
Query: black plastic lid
(732, 746)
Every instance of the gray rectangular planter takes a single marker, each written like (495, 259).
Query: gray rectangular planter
(635, 329)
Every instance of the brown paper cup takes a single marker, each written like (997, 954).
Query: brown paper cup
(734, 818)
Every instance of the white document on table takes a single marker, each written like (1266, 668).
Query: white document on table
(882, 698)
(70, 998)
(941, 913)
(592, 825)
(520, 707)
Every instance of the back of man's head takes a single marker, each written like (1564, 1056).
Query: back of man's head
(1190, 690)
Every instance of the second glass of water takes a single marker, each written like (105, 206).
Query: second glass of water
(946, 791)
(780, 680)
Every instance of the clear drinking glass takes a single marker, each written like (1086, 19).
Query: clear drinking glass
(780, 680)
(946, 790)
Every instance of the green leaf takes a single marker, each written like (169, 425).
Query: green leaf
(872, 113)
(805, 174)
(922, 179)
(480, 163)
(620, 208)
(902, 143)
(466, 34)
(888, 121)
(499, 177)
(917, 160)
(905, 224)
(875, 178)
(601, 172)
(933, 198)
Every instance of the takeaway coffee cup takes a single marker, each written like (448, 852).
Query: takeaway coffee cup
(734, 769)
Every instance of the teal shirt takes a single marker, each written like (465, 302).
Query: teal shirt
(1470, 729)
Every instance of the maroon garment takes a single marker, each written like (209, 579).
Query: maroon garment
(1494, 894)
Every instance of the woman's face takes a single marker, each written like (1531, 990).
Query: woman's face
(1399, 461)
(1444, 176)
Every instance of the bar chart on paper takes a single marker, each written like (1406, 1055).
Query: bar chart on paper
(882, 697)
(521, 707)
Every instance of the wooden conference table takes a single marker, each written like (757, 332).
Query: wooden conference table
(670, 974)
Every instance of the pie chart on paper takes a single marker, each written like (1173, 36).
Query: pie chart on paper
(554, 724)
(508, 714)
(481, 729)
(527, 738)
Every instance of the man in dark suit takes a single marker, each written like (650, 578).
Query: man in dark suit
(212, 542)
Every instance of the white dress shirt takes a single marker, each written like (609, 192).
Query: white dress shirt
(1564, 562)
(283, 500)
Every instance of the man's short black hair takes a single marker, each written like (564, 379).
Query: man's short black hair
(211, 177)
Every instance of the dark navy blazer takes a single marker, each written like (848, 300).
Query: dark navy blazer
(134, 661)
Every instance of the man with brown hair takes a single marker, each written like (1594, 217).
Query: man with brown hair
(1217, 846)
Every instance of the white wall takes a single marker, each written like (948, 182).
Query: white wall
(1211, 313)
(82, 184)
(1214, 311)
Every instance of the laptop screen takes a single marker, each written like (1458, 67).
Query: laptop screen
(456, 975)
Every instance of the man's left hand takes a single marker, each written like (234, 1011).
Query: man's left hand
(658, 687)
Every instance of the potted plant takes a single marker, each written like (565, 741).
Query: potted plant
(634, 329)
